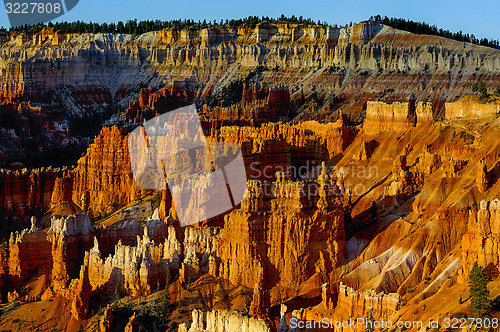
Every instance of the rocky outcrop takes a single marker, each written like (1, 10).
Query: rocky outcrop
(259, 307)
(280, 147)
(61, 203)
(224, 321)
(377, 59)
(80, 291)
(29, 253)
(482, 176)
(129, 268)
(52, 257)
(406, 182)
(398, 116)
(69, 237)
(287, 240)
(127, 232)
(470, 107)
(261, 236)
(480, 243)
(259, 104)
(424, 112)
(150, 104)
(358, 304)
(25, 193)
(200, 252)
(104, 175)
(428, 162)
(103, 178)
(344, 305)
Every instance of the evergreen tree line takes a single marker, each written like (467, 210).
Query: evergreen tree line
(139, 27)
(427, 29)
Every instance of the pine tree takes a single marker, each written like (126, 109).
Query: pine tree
(118, 293)
(165, 305)
(497, 91)
(481, 88)
(369, 322)
(479, 293)
(179, 299)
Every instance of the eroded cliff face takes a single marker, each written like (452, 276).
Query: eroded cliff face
(480, 242)
(340, 305)
(285, 71)
(103, 179)
(297, 148)
(404, 239)
(386, 219)
(398, 116)
(471, 107)
(130, 268)
(224, 321)
(104, 176)
(358, 304)
(22, 260)
(283, 235)
(25, 193)
(70, 237)
(377, 55)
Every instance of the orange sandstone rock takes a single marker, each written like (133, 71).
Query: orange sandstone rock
(398, 116)
(80, 295)
(470, 107)
(481, 241)
(104, 174)
(279, 234)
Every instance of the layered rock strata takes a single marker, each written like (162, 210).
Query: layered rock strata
(480, 243)
(470, 107)
(283, 234)
(224, 321)
(131, 269)
(398, 116)
(25, 193)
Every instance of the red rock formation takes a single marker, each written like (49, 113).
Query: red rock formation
(480, 243)
(200, 245)
(70, 237)
(61, 203)
(104, 174)
(80, 295)
(481, 177)
(29, 253)
(398, 116)
(348, 305)
(280, 232)
(259, 104)
(223, 321)
(357, 304)
(25, 193)
(406, 182)
(387, 59)
(151, 104)
(103, 177)
(109, 236)
(287, 238)
(270, 148)
(424, 112)
(129, 268)
(470, 107)
(260, 302)
(428, 162)
(63, 188)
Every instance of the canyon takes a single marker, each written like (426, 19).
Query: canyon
(372, 179)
